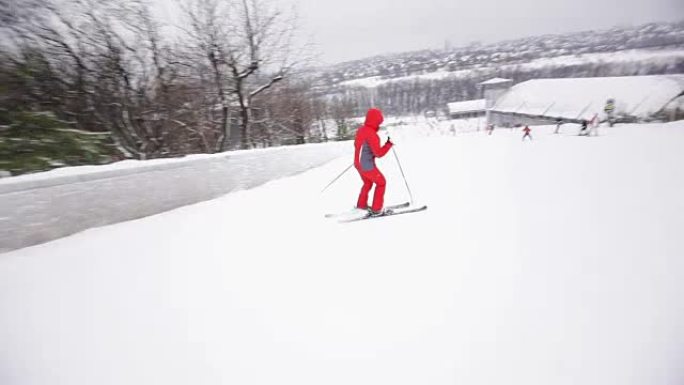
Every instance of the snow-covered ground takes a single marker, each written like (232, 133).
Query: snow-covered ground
(557, 261)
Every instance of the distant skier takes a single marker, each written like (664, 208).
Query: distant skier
(584, 131)
(366, 149)
(527, 130)
(609, 109)
(593, 127)
(559, 121)
(490, 128)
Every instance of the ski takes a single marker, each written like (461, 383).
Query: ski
(390, 207)
(385, 214)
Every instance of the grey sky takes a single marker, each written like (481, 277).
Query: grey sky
(353, 29)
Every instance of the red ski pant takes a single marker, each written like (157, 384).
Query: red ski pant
(370, 178)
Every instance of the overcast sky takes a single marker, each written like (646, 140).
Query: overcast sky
(353, 29)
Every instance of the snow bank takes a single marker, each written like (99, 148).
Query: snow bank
(39, 207)
(416, 127)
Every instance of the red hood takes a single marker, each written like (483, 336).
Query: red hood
(374, 118)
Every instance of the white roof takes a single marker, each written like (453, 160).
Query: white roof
(467, 106)
(495, 81)
(577, 98)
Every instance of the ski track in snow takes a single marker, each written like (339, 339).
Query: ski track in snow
(556, 261)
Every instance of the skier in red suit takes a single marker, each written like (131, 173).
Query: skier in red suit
(527, 130)
(366, 149)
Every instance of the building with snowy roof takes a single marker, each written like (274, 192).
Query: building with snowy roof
(542, 101)
(467, 109)
(493, 89)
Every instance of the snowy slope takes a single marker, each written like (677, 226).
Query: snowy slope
(552, 262)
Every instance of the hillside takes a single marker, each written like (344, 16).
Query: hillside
(655, 35)
(413, 82)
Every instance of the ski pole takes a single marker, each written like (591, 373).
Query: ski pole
(338, 177)
(402, 174)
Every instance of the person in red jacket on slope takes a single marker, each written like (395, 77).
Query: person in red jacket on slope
(366, 149)
(527, 130)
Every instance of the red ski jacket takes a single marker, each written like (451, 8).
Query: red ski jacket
(367, 143)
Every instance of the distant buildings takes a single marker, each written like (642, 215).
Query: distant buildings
(467, 109)
(543, 101)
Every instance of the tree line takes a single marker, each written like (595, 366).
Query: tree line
(225, 76)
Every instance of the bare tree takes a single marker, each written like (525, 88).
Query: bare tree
(262, 40)
(13, 12)
(107, 66)
(249, 47)
(81, 51)
(286, 113)
(109, 69)
(207, 36)
(342, 111)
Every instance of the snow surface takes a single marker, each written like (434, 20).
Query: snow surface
(575, 98)
(557, 261)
